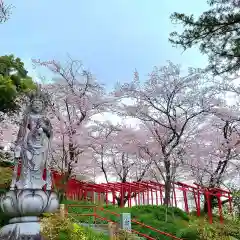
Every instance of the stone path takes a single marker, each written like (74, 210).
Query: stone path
(101, 228)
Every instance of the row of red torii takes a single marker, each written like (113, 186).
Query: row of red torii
(187, 197)
(184, 196)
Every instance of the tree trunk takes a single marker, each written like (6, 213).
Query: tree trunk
(167, 189)
(213, 201)
(167, 186)
(215, 181)
(119, 200)
(210, 199)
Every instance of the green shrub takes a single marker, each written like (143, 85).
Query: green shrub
(5, 176)
(124, 235)
(188, 233)
(200, 229)
(53, 227)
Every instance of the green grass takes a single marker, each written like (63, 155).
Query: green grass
(177, 223)
(88, 233)
(154, 216)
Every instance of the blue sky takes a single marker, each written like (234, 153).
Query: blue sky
(110, 37)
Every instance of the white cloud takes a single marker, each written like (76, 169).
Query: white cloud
(107, 116)
(115, 119)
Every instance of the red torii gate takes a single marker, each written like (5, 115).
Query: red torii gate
(149, 192)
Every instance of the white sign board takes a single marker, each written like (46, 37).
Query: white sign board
(125, 221)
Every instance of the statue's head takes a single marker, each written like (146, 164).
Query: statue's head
(37, 106)
(38, 101)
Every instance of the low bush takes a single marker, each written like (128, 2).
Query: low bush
(123, 235)
(200, 229)
(53, 227)
(5, 177)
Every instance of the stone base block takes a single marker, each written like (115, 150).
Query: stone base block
(21, 231)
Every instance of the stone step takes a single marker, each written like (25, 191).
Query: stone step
(101, 228)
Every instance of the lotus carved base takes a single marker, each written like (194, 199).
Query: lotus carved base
(28, 202)
(25, 206)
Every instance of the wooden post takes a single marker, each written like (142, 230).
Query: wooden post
(112, 230)
(62, 210)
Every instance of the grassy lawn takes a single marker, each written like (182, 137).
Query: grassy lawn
(171, 220)
(154, 216)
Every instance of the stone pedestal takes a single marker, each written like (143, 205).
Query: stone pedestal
(25, 207)
(25, 230)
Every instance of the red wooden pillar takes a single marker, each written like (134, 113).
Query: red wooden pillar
(92, 196)
(85, 195)
(139, 201)
(135, 196)
(218, 195)
(148, 195)
(128, 199)
(196, 202)
(130, 196)
(209, 207)
(99, 197)
(80, 194)
(106, 193)
(74, 195)
(114, 196)
(156, 196)
(152, 195)
(143, 197)
(185, 200)
(122, 195)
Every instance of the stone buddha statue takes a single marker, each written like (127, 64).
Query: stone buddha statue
(27, 199)
(33, 145)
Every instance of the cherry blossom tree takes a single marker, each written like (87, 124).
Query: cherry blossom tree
(169, 106)
(213, 156)
(118, 154)
(70, 129)
(223, 123)
(76, 98)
